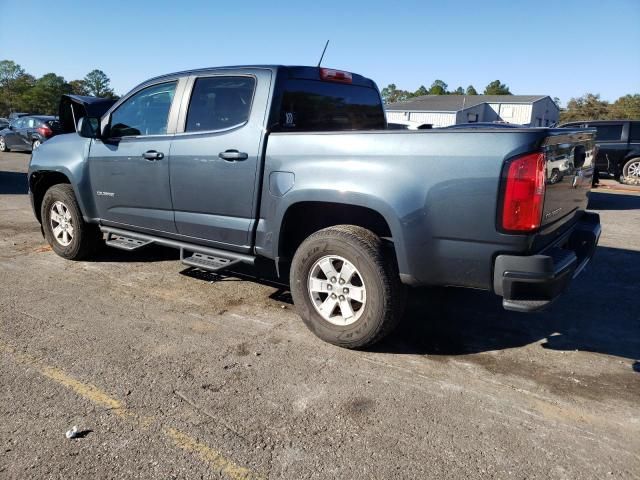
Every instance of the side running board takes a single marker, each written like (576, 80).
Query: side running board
(205, 258)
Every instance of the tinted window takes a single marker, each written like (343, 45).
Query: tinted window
(310, 105)
(219, 102)
(145, 113)
(634, 132)
(608, 132)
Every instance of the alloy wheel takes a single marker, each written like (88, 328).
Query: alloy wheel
(337, 290)
(61, 224)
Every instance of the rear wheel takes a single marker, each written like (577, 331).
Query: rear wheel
(3, 145)
(346, 287)
(64, 228)
(35, 144)
(631, 171)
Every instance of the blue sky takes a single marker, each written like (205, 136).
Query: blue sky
(562, 48)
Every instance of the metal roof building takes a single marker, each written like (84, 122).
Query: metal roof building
(445, 110)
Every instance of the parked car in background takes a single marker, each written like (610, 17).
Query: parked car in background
(14, 115)
(4, 123)
(618, 144)
(27, 133)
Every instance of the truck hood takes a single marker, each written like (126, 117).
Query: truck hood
(73, 107)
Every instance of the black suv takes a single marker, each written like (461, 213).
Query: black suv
(618, 147)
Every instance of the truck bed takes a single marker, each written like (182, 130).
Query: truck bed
(439, 191)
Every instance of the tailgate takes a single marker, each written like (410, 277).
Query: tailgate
(569, 170)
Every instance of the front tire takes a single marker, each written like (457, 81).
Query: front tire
(3, 145)
(346, 287)
(63, 226)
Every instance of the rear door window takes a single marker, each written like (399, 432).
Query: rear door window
(144, 113)
(634, 132)
(608, 133)
(219, 103)
(316, 106)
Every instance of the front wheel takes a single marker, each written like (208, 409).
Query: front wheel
(3, 145)
(63, 226)
(346, 287)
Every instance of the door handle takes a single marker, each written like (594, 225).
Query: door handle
(233, 155)
(153, 155)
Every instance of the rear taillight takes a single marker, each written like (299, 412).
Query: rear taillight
(335, 75)
(45, 131)
(524, 193)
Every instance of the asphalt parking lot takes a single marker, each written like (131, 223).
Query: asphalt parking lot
(172, 374)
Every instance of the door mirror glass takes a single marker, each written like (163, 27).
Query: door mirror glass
(88, 127)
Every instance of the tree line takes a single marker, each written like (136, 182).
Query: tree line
(391, 94)
(22, 92)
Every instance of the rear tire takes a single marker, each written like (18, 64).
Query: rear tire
(631, 171)
(35, 144)
(361, 274)
(3, 145)
(63, 226)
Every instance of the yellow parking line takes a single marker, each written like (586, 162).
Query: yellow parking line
(212, 457)
(92, 393)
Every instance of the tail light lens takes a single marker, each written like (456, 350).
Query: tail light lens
(45, 131)
(335, 75)
(524, 193)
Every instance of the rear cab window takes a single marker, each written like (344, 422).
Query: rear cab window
(309, 105)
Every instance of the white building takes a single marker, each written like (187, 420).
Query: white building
(445, 110)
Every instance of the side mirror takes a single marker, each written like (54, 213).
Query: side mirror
(88, 127)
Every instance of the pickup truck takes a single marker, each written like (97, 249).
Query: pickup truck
(296, 165)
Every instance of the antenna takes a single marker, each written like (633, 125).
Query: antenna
(324, 50)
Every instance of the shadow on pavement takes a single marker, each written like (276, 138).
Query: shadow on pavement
(599, 313)
(613, 201)
(13, 183)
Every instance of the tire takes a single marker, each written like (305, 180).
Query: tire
(35, 144)
(374, 293)
(631, 171)
(3, 145)
(60, 210)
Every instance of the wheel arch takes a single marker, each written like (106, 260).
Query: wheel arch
(42, 180)
(304, 217)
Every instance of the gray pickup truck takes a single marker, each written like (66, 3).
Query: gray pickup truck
(296, 165)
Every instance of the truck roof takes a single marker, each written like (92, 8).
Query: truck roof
(295, 71)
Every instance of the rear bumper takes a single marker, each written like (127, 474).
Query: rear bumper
(531, 283)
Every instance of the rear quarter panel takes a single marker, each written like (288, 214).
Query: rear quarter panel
(437, 190)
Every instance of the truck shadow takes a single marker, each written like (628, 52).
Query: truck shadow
(599, 314)
(13, 183)
(601, 200)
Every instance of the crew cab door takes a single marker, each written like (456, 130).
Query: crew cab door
(129, 170)
(215, 156)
